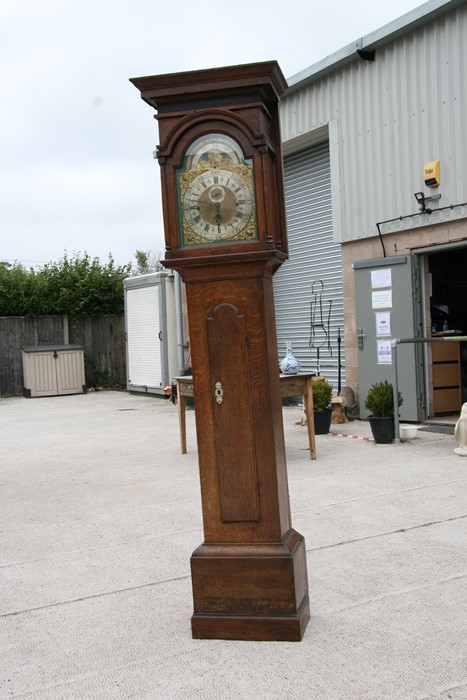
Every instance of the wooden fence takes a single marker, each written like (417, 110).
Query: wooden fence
(103, 340)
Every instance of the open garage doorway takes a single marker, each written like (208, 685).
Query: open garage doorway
(446, 315)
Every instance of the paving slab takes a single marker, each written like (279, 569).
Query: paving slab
(99, 514)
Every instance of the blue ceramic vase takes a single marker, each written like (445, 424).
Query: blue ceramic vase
(290, 364)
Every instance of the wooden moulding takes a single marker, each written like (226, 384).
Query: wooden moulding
(251, 592)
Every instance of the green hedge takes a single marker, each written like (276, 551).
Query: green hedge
(77, 286)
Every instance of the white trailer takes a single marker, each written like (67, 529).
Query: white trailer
(151, 332)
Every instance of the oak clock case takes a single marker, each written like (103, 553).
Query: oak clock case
(215, 192)
(224, 216)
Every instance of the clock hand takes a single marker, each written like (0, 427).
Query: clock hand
(218, 216)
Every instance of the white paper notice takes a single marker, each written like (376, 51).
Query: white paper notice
(381, 300)
(383, 323)
(381, 278)
(384, 352)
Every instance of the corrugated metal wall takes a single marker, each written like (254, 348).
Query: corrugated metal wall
(314, 258)
(395, 114)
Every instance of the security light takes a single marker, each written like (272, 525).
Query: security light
(421, 200)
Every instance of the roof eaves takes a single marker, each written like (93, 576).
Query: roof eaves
(389, 32)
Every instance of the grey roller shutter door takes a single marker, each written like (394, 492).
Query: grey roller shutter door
(143, 334)
(314, 257)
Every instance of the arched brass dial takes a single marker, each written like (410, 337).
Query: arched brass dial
(216, 193)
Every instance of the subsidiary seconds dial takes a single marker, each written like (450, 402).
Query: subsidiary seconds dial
(218, 205)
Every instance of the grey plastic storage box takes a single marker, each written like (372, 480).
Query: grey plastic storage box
(53, 370)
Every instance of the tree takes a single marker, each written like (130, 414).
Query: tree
(78, 286)
(147, 261)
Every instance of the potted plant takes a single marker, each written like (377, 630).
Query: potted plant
(322, 393)
(380, 402)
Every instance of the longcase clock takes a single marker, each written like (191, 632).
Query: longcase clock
(224, 218)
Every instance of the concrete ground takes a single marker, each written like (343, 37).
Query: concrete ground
(99, 514)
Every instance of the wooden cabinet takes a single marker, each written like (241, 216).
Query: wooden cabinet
(446, 378)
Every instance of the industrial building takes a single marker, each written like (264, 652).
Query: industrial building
(375, 153)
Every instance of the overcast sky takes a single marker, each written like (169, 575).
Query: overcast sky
(76, 140)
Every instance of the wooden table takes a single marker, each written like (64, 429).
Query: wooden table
(291, 385)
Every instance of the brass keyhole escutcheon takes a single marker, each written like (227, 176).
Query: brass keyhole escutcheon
(219, 392)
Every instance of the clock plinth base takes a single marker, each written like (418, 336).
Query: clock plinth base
(252, 628)
(252, 591)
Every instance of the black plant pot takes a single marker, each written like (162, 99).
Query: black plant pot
(322, 421)
(382, 428)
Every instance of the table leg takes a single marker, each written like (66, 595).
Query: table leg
(310, 420)
(181, 419)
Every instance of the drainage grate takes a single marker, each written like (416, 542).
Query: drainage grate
(446, 429)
